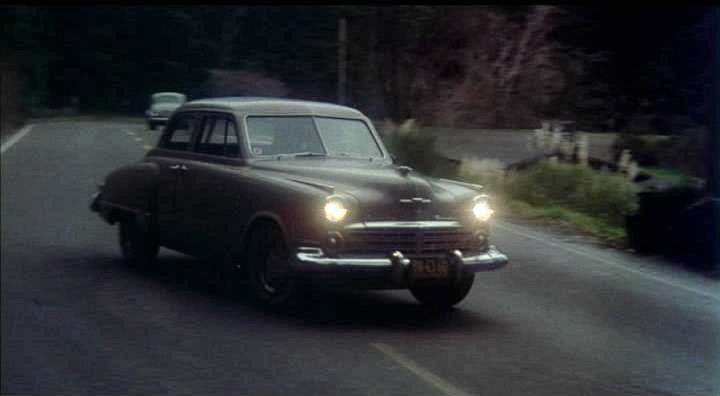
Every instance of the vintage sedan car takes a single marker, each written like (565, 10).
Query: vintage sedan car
(162, 105)
(283, 193)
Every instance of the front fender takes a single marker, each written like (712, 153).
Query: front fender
(294, 206)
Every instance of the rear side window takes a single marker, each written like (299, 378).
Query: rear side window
(219, 137)
(179, 133)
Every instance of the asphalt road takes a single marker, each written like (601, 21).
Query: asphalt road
(564, 318)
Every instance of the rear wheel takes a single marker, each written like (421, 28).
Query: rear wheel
(268, 267)
(443, 296)
(151, 126)
(138, 246)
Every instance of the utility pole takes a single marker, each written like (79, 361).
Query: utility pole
(713, 150)
(342, 60)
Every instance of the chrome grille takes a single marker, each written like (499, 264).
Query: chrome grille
(409, 241)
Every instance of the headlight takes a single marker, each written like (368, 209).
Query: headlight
(481, 209)
(335, 210)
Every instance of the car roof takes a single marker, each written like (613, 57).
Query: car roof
(268, 105)
(167, 93)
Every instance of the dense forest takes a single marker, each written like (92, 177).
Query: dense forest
(619, 69)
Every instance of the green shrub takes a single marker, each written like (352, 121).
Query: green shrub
(600, 194)
(489, 173)
(412, 148)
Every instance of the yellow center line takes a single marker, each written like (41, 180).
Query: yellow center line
(432, 379)
(147, 147)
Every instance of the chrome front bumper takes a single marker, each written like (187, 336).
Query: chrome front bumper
(396, 265)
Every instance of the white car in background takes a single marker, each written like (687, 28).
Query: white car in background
(162, 105)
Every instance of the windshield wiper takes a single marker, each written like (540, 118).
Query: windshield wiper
(310, 154)
(354, 156)
(303, 154)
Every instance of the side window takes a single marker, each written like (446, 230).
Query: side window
(219, 137)
(178, 135)
(232, 142)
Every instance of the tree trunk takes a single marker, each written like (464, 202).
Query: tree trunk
(342, 60)
(372, 79)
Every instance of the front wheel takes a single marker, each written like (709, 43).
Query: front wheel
(268, 267)
(139, 248)
(443, 296)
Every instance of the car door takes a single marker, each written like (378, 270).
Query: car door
(208, 193)
(170, 156)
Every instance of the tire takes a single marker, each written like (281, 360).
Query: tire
(138, 246)
(270, 279)
(151, 126)
(443, 296)
(229, 275)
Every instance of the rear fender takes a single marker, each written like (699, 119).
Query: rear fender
(131, 189)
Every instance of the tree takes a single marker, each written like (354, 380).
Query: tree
(490, 67)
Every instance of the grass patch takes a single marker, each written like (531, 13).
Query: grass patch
(674, 176)
(669, 174)
(575, 197)
(586, 224)
(603, 195)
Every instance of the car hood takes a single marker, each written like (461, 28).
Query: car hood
(377, 188)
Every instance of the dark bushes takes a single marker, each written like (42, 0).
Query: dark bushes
(685, 151)
(673, 222)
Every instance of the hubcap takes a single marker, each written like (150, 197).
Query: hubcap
(274, 275)
(128, 246)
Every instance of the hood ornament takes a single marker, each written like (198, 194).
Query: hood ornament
(404, 170)
(418, 204)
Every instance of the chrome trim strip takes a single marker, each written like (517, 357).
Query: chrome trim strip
(469, 185)
(360, 262)
(404, 224)
(486, 261)
(325, 187)
(416, 200)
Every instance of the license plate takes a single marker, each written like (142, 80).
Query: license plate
(430, 268)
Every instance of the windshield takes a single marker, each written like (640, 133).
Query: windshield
(166, 99)
(336, 137)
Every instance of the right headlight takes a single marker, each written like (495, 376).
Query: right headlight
(481, 208)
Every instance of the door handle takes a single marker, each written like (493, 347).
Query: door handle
(175, 167)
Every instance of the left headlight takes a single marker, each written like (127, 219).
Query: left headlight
(481, 208)
(335, 210)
